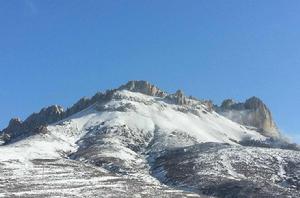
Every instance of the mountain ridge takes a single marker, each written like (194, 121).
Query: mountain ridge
(124, 143)
(48, 115)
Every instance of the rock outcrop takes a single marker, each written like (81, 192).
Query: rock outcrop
(178, 98)
(253, 112)
(143, 87)
(35, 123)
(47, 115)
(13, 129)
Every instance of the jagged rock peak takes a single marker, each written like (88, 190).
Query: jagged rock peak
(254, 103)
(253, 112)
(51, 113)
(15, 122)
(143, 87)
(53, 109)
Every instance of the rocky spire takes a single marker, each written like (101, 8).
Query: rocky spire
(253, 112)
(254, 103)
(262, 116)
(180, 97)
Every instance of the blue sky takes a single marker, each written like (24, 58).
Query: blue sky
(54, 52)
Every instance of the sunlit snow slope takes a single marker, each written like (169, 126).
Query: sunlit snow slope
(115, 143)
(134, 122)
(124, 129)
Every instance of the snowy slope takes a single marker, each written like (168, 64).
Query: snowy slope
(153, 116)
(123, 138)
(226, 170)
(146, 115)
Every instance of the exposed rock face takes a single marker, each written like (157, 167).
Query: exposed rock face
(143, 87)
(14, 128)
(262, 116)
(253, 112)
(180, 98)
(46, 115)
(35, 123)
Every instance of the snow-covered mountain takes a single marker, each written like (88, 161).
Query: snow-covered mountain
(139, 141)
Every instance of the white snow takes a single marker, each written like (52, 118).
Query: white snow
(168, 126)
(150, 114)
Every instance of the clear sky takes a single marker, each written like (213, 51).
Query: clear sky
(54, 52)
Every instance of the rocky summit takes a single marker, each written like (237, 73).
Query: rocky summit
(140, 141)
(253, 112)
